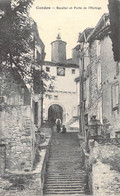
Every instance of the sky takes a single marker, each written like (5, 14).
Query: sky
(67, 17)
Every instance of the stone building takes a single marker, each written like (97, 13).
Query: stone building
(61, 102)
(99, 78)
(20, 116)
(37, 97)
(77, 112)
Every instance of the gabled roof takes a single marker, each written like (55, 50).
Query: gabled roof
(37, 37)
(83, 36)
(70, 65)
(101, 26)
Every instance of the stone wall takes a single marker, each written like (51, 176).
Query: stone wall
(31, 183)
(17, 129)
(13, 88)
(108, 73)
(109, 78)
(95, 94)
(2, 160)
(102, 166)
(17, 132)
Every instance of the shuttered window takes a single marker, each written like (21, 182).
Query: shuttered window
(115, 99)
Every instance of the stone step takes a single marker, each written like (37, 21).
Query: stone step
(63, 192)
(70, 159)
(82, 186)
(64, 162)
(65, 173)
(73, 190)
(66, 179)
(66, 176)
(64, 182)
(55, 189)
(64, 186)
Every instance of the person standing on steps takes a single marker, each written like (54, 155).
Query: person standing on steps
(58, 124)
(63, 129)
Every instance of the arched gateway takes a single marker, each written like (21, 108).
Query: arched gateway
(55, 111)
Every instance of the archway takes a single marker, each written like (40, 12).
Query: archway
(55, 111)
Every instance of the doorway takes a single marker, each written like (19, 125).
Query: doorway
(55, 111)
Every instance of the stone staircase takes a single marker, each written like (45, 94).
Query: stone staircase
(65, 173)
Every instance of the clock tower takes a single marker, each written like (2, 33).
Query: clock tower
(60, 102)
(58, 53)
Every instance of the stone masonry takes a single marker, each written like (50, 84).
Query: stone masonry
(104, 164)
(16, 127)
(95, 93)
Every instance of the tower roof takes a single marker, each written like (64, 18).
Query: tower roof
(58, 36)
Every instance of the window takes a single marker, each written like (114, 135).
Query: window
(99, 75)
(99, 115)
(56, 97)
(86, 119)
(115, 97)
(38, 56)
(50, 96)
(35, 113)
(87, 92)
(84, 90)
(21, 100)
(117, 68)
(73, 71)
(48, 69)
(98, 48)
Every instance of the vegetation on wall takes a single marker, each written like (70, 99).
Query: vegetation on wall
(114, 13)
(17, 43)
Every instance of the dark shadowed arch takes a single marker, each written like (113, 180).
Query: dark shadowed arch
(55, 111)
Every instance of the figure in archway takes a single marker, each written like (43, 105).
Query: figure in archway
(58, 124)
(55, 111)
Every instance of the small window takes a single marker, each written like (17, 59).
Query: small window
(99, 112)
(38, 56)
(115, 98)
(50, 96)
(56, 97)
(98, 48)
(48, 69)
(117, 68)
(73, 71)
(99, 75)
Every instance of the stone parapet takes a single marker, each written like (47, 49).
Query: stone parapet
(18, 135)
(102, 167)
(31, 183)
